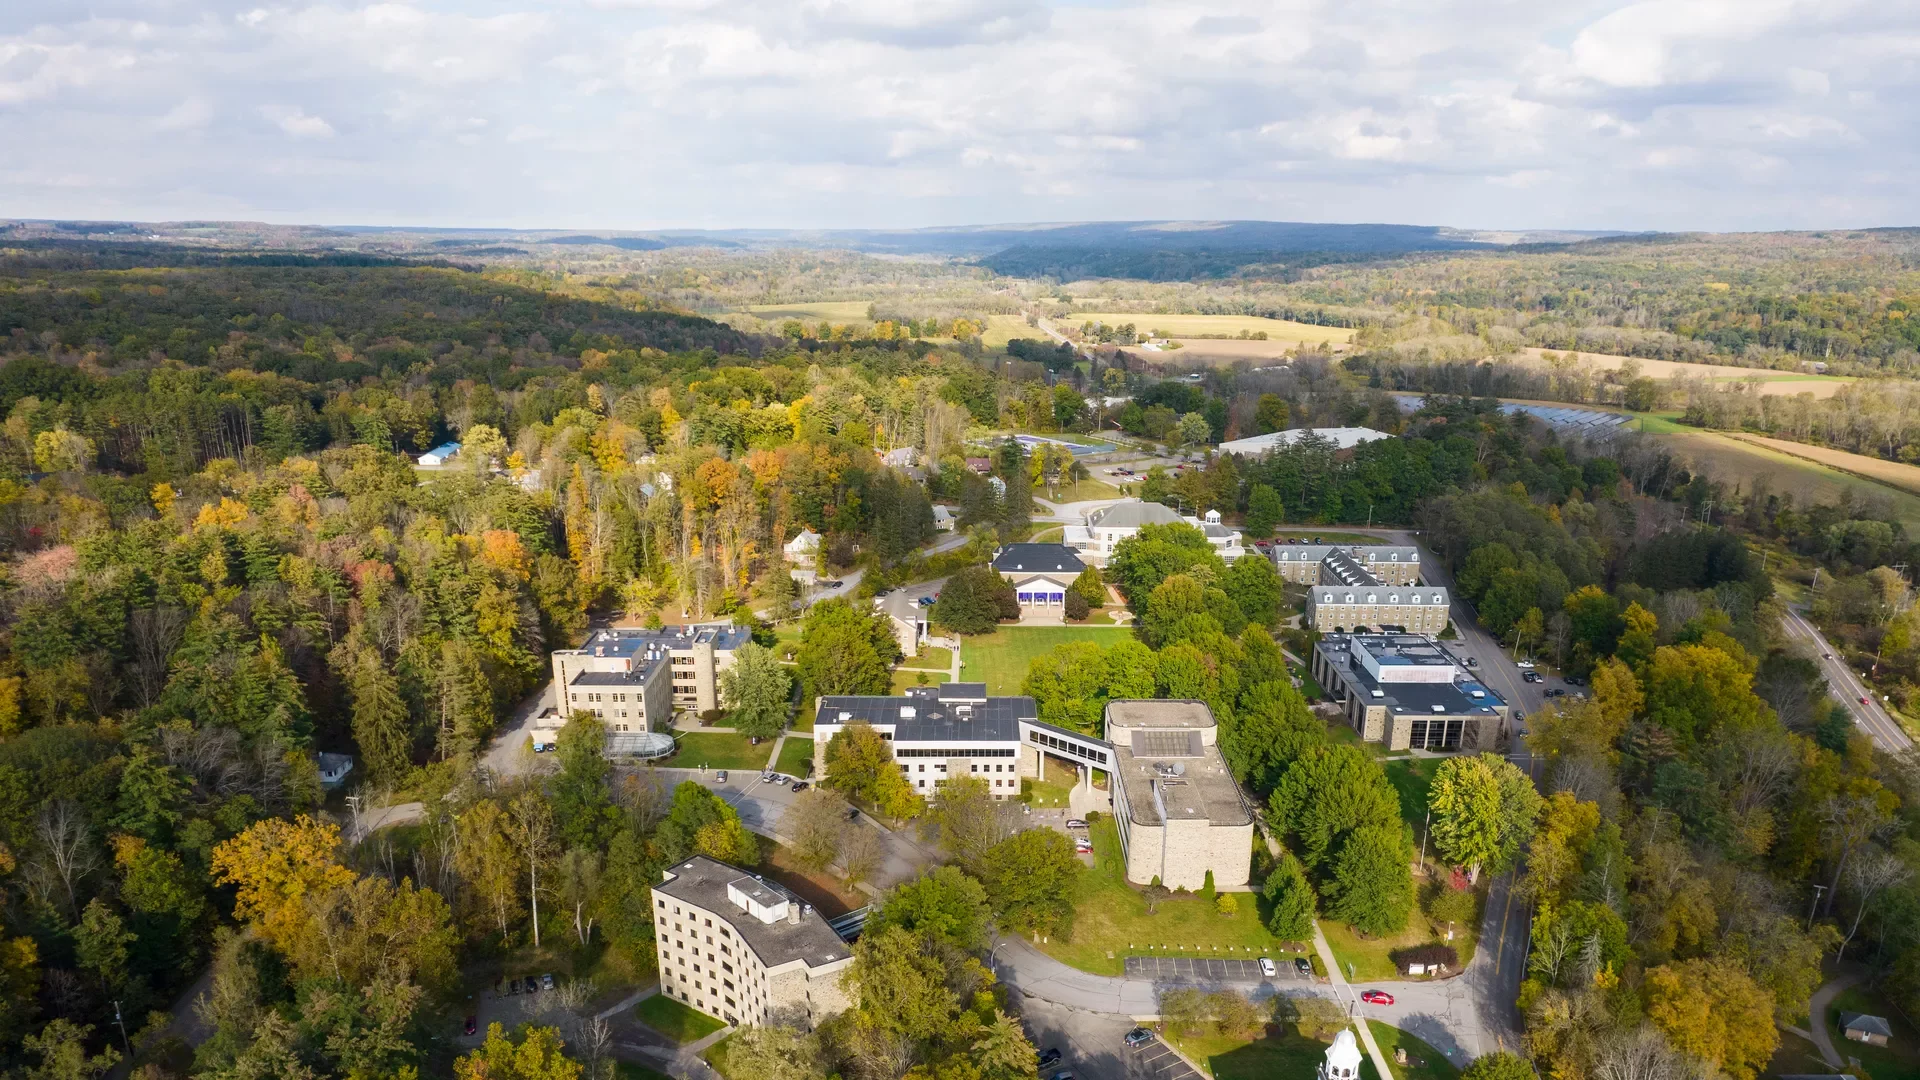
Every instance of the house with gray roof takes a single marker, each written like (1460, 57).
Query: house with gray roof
(1105, 527)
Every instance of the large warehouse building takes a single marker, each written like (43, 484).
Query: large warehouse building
(1406, 692)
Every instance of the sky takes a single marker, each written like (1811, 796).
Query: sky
(647, 114)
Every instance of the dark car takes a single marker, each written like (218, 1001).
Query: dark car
(1049, 1056)
(853, 813)
(513, 987)
(1554, 691)
(533, 984)
(472, 1025)
(1139, 1037)
(1574, 680)
(799, 785)
(1302, 965)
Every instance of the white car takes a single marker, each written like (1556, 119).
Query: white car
(1267, 969)
(1523, 663)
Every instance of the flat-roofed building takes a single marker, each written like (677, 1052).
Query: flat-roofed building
(740, 947)
(1180, 812)
(1406, 692)
(956, 729)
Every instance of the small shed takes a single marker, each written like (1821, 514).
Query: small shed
(333, 768)
(440, 455)
(1866, 1029)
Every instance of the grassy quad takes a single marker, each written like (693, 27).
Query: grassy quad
(1280, 1052)
(1111, 920)
(1371, 957)
(1423, 1061)
(674, 1020)
(796, 757)
(1001, 659)
(720, 750)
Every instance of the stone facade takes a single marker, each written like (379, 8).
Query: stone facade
(1389, 563)
(1179, 811)
(693, 657)
(1339, 608)
(1404, 691)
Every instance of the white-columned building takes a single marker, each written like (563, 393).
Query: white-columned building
(1107, 526)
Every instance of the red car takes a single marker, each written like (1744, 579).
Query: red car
(1863, 701)
(1376, 997)
(473, 1024)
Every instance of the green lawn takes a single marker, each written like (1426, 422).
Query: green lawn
(1369, 956)
(1431, 1063)
(1111, 920)
(796, 757)
(1052, 788)
(1281, 1052)
(719, 750)
(674, 1020)
(1898, 1061)
(1001, 659)
(931, 656)
(1412, 778)
(716, 1056)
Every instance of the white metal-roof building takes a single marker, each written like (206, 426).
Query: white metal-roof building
(1342, 438)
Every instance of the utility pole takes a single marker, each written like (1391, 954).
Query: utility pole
(1817, 890)
(123, 1030)
(353, 804)
(1424, 828)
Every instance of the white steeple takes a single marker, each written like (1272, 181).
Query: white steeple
(1343, 1058)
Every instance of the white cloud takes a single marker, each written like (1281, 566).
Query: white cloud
(638, 113)
(297, 123)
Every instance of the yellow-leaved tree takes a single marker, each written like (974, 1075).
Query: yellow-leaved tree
(275, 865)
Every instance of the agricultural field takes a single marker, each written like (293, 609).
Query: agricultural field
(1772, 382)
(834, 311)
(1891, 473)
(1734, 460)
(1222, 351)
(1201, 326)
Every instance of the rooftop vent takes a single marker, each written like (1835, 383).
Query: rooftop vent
(906, 712)
(1170, 768)
(1476, 693)
(845, 716)
(1379, 693)
(1439, 708)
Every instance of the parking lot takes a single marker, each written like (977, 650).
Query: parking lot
(1157, 1061)
(1196, 969)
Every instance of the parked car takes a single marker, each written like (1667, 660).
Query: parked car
(513, 987)
(533, 984)
(1049, 1056)
(1076, 823)
(1139, 1037)
(546, 982)
(926, 601)
(1531, 676)
(853, 813)
(1554, 691)
(1316, 539)
(1574, 680)
(1302, 965)
(1267, 968)
(720, 777)
(472, 1025)
(1473, 661)
(799, 785)
(1376, 997)
(1063, 1074)
(1523, 663)
(1081, 847)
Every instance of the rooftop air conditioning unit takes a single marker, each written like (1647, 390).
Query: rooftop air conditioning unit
(1379, 693)
(906, 712)
(1439, 708)
(845, 716)
(1477, 693)
(964, 712)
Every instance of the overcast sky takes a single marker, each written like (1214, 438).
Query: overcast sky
(1673, 114)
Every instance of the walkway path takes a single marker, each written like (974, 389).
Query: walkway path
(1345, 994)
(1817, 1018)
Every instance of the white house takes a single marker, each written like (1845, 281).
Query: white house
(333, 768)
(439, 455)
(801, 548)
(943, 518)
(1107, 526)
(901, 457)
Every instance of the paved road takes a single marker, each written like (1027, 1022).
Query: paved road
(1817, 1018)
(1867, 711)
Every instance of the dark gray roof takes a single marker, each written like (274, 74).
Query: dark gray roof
(1872, 1025)
(703, 881)
(1455, 698)
(643, 670)
(1340, 567)
(1131, 514)
(1038, 558)
(635, 641)
(996, 719)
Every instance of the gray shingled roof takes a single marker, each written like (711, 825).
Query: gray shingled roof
(1133, 514)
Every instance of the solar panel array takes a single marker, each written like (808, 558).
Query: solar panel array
(1570, 419)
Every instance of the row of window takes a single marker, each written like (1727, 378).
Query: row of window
(1041, 738)
(1374, 598)
(966, 752)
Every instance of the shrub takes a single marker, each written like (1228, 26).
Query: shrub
(1450, 905)
(1431, 954)
(1077, 609)
(1226, 905)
